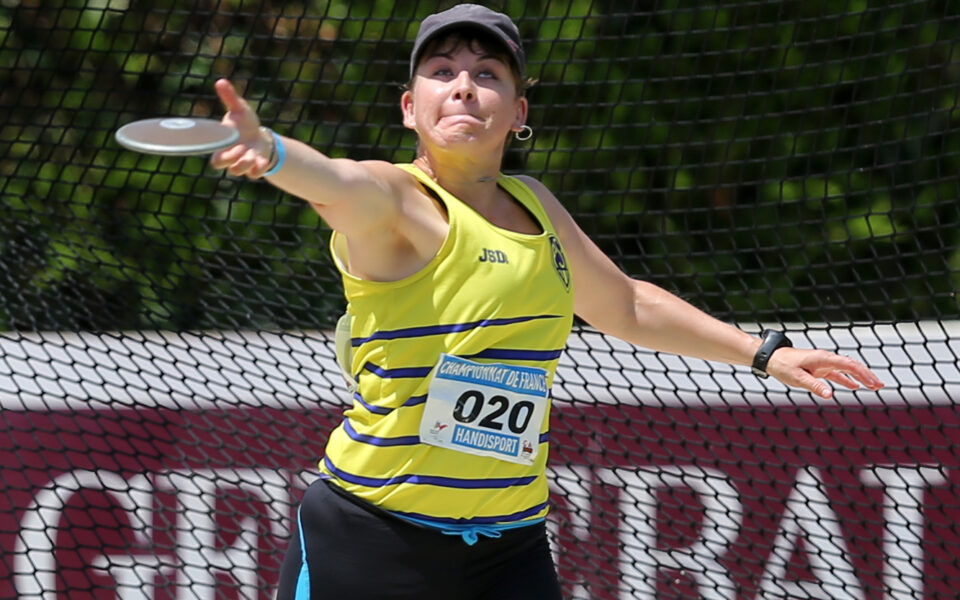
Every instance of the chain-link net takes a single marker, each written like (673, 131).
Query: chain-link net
(167, 379)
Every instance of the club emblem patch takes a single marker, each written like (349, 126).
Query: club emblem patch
(560, 261)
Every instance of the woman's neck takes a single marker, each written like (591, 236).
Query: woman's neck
(469, 181)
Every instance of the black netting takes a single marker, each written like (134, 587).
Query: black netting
(166, 373)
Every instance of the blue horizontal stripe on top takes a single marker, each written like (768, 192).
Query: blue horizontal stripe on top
(451, 482)
(401, 373)
(507, 354)
(381, 410)
(415, 400)
(377, 410)
(406, 440)
(518, 516)
(410, 332)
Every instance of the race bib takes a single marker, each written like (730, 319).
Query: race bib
(487, 409)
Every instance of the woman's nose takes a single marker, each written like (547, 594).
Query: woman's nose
(464, 87)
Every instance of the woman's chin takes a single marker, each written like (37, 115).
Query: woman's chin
(469, 140)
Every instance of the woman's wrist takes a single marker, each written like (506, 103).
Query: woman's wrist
(277, 155)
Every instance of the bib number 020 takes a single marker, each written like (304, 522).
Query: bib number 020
(488, 409)
(471, 405)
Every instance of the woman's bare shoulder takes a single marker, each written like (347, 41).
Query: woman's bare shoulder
(555, 210)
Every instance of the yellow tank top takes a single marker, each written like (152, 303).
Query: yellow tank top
(490, 295)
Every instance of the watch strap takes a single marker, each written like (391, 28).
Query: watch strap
(772, 340)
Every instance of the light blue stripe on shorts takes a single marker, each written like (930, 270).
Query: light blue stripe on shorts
(303, 579)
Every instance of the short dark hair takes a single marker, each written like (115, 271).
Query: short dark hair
(481, 42)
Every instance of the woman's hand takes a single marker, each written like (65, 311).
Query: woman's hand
(807, 369)
(251, 155)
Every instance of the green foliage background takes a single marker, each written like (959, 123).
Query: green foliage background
(768, 160)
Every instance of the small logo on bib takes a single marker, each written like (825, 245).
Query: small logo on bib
(527, 449)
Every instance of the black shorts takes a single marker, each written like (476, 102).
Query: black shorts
(355, 551)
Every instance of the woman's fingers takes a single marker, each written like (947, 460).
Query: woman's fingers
(847, 371)
(232, 101)
(239, 113)
(246, 156)
(803, 379)
(809, 368)
(843, 379)
(228, 156)
(241, 160)
(246, 164)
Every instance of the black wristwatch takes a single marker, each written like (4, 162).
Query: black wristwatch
(772, 340)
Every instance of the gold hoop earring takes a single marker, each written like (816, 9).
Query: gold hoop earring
(525, 133)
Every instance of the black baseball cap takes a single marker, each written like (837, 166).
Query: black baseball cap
(471, 16)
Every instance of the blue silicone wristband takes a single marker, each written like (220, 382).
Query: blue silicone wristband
(281, 154)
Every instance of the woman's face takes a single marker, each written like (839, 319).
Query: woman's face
(463, 98)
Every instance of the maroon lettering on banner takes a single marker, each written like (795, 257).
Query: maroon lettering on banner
(816, 489)
(665, 501)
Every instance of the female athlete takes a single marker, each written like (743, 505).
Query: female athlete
(462, 284)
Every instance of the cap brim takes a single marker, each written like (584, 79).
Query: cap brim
(497, 33)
